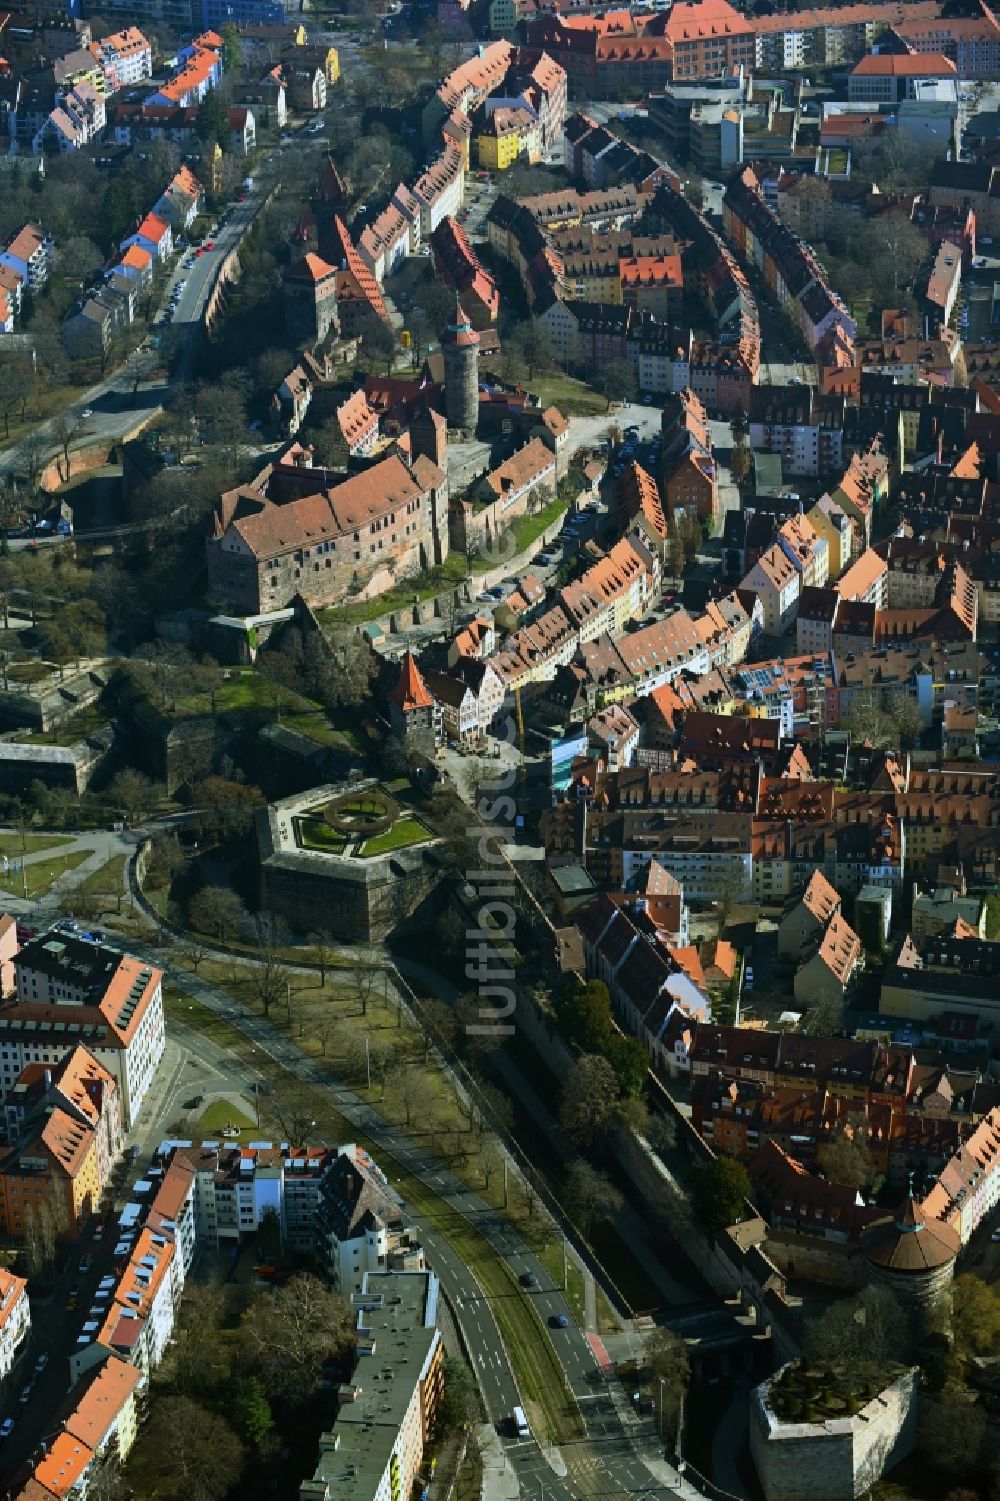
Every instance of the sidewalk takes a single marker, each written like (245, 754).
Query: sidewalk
(102, 845)
(499, 1481)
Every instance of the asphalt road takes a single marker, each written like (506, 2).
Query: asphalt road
(120, 402)
(609, 1460)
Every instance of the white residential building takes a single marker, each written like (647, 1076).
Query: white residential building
(15, 1320)
(776, 582)
(125, 58)
(73, 990)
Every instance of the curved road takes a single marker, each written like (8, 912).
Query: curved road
(129, 396)
(618, 1456)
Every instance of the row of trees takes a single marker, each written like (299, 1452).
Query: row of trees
(244, 1363)
(583, 1016)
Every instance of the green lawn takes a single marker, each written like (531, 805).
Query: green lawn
(42, 875)
(572, 397)
(13, 843)
(29, 672)
(405, 831)
(314, 725)
(42, 404)
(527, 529)
(219, 1114)
(87, 722)
(551, 1256)
(315, 834)
(108, 880)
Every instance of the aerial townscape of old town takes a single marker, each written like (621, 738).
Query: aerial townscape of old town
(499, 750)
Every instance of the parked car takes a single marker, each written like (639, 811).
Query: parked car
(6, 1428)
(86, 1261)
(41, 1362)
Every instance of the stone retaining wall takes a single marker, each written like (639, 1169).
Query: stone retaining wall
(463, 595)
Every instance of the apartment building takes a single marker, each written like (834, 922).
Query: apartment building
(972, 42)
(827, 973)
(15, 1321)
(460, 268)
(375, 1450)
(833, 524)
(776, 581)
(97, 1427)
(831, 36)
(968, 1188)
(359, 1230)
(788, 265)
(153, 234)
(30, 253)
(816, 620)
(125, 58)
(888, 78)
(866, 580)
(72, 989)
(142, 1309)
(64, 1126)
(806, 550)
(804, 427)
(689, 480)
(199, 70)
(709, 38)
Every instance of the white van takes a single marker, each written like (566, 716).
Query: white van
(521, 1423)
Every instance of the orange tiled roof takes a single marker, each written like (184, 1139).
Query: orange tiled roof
(861, 576)
(136, 256)
(820, 898)
(409, 690)
(840, 948)
(62, 1465)
(904, 65)
(99, 1406)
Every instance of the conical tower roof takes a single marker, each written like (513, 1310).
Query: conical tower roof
(909, 1242)
(410, 691)
(460, 332)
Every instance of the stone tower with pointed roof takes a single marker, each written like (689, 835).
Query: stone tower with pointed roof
(460, 349)
(309, 289)
(913, 1255)
(414, 713)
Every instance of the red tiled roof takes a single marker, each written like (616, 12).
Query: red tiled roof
(409, 690)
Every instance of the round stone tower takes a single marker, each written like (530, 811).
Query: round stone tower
(914, 1257)
(460, 348)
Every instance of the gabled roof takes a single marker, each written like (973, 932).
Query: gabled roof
(820, 899)
(409, 690)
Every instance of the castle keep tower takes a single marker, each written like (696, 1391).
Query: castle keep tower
(460, 348)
